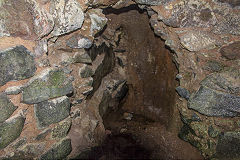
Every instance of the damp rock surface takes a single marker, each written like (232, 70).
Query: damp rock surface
(52, 111)
(228, 146)
(50, 83)
(6, 107)
(16, 63)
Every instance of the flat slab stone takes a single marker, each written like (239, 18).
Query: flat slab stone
(53, 111)
(16, 63)
(210, 102)
(50, 83)
(6, 108)
(59, 151)
(198, 40)
(10, 130)
(68, 16)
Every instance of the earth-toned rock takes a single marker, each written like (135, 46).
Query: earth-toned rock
(50, 83)
(24, 18)
(232, 51)
(52, 111)
(16, 63)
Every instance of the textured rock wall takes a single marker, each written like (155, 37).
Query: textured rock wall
(51, 59)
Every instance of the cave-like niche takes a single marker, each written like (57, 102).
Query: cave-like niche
(150, 71)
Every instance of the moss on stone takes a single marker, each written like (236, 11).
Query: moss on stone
(9, 131)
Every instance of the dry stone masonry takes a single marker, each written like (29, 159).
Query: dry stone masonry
(58, 75)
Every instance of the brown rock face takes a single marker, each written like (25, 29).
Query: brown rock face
(151, 72)
(231, 51)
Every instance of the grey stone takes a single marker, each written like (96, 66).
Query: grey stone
(51, 83)
(58, 151)
(98, 21)
(41, 48)
(228, 80)
(6, 108)
(229, 24)
(152, 2)
(52, 111)
(213, 66)
(228, 146)
(33, 149)
(210, 102)
(183, 92)
(16, 63)
(13, 90)
(10, 130)
(188, 13)
(61, 129)
(82, 58)
(197, 40)
(86, 72)
(79, 41)
(25, 19)
(68, 16)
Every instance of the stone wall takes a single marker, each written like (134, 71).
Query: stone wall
(54, 73)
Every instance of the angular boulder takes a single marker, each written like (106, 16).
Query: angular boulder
(52, 111)
(24, 18)
(51, 83)
(210, 102)
(79, 41)
(6, 108)
(58, 151)
(10, 130)
(68, 16)
(16, 63)
(198, 40)
(98, 21)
